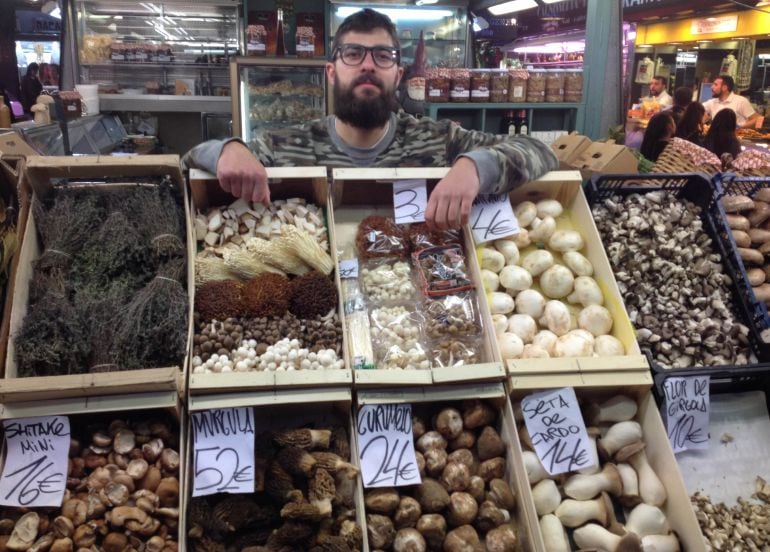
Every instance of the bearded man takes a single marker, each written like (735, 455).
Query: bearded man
(367, 131)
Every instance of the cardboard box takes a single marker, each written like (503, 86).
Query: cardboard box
(606, 158)
(39, 173)
(358, 193)
(568, 148)
(309, 183)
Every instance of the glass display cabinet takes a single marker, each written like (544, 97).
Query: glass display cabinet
(445, 30)
(167, 47)
(276, 92)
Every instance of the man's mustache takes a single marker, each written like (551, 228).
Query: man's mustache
(369, 79)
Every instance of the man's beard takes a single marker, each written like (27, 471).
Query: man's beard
(367, 112)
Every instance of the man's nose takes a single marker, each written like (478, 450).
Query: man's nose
(368, 62)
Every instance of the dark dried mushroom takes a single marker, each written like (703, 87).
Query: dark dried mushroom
(432, 496)
(489, 444)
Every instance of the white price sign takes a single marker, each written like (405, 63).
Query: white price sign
(223, 449)
(557, 430)
(687, 412)
(349, 268)
(386, 446)
(410, 199)
(492, 218)
(35, 471)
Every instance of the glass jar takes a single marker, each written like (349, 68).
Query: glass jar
(573, 85)
(498, 92)
(460, 88)
(517, 85)
(480, 85)
(536, 86)
(437, 82)
(305, 41)
(554, 85)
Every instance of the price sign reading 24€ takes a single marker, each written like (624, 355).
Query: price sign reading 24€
(557, 430)
(386, 445)
(223, 449)
(35, 471)
(410, 199)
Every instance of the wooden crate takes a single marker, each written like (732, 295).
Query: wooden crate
(600, 384)
(88, 410)
(39, 172)
(309, 183)
(452, 395)
(357, 193)
(565, 186)
(288, 408)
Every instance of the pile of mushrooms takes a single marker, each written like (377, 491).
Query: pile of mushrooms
(122, 495)
(464, 501)
(542, 296)
(584, 501)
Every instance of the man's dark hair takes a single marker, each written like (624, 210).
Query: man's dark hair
(728, 81)
(663, 80)
(32, 67)
(683, 96)
(365, 21)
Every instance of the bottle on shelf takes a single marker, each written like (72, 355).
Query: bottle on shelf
(508, 123)
(523, 126)
(280, 44)
(5, 114)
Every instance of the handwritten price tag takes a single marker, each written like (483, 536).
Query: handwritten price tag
(223, 442)
(687, 412)
(557, 430)
(349, 268)
(387, 445)
(35, 472)
(492, 218)
(410, 199)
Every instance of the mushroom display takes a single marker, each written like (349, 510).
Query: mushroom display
(464, 501)
(119, 495)
(541, 275)
(581, 506)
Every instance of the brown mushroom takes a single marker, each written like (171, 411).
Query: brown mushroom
(152, 449)
(124, 441)
(494, 468)
(64, 544)
(433, 528)
(84, 536)
(476, 487)
(151, 479)
(501, 494)
(168, 492)
(24, 532)
(75, 510)
(462, 509)
(381, 501)
(455, 477)
(137, 468)
(63, 527)
(501, 539)
(466, 439)
(321, 491)
(380, 531)
(119, 515)
(169, 460)
(463, 539)
(465, 456)
(407, 513)
(431, 495)
(430, 440)
(490, 444)
(449, 423)
(418, 427)
(490, 516)
(477, 414)
(303, 438)
(409, 540)
(435, 461)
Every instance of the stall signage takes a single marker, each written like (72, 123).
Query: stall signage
(709, 25)
(386, 446)
(35, 471)
(35, 22)
(687, 412)
(561, 17)
(223, 451)
(492, 218)
(410, 199)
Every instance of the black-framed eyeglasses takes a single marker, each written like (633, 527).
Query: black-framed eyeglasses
(354, 54)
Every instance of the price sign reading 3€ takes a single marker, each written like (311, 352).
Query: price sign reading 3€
(223, 444)
(35, 471)
(410, 199)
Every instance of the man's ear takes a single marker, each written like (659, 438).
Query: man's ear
(399, 75)
(330, 72)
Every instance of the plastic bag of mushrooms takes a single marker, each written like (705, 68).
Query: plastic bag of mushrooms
(464, 502)
(122, 494)
(583, 502)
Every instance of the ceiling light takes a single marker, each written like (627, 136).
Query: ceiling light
(400, 13)
(552, 1)
(644, 45)
(512, 6)
(425, 2)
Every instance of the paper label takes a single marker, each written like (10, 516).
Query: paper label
(518, 91)
(349, 268)
(35, 471)
(302, 47)
(223, 451)
(256, 47)
(557, 430)
(687, 407)
(386, 446)
(433, 92)
(492, 217)
(480, 93)
(410, 199)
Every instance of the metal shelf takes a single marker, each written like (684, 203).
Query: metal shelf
(138, 64)
(572, 118)
(161, 103)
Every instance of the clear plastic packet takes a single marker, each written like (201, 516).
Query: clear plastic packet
(398, 358)
(380, 236)
(442, 270)
(387, 281)
(396, 325)
(452, 352)
(453, 315)
(421, 237)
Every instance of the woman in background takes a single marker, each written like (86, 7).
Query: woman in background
(660, 130)
(682, 99)
(721, 137)
(690, 128)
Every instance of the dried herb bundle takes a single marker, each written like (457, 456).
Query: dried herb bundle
(153, 326)
(161, 219)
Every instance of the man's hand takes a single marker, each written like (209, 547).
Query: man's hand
(241, 174)
(450, 202)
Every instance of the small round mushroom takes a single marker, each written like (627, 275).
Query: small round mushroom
(489, 444)
(433, 528)
(449, 423)
(501, 494)
(409, 540)
(462, 539)
(501, 539)
(380, 531)
(435, 461)
(382, 501)
(465, 440)
(456, 477)
(407, 513)
(432, 496)
(431, 440)
(462, 509)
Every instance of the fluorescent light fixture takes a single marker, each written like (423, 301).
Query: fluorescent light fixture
(425, 2)
(552, 1)
(644, 45)
(512, 6)
(400, 13)
(553, 48)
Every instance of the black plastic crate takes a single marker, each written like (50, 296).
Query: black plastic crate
(730, 184)
(701, 191)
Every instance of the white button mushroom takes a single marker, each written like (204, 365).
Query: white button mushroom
(531, 302)
(596, 319)
(557, 281)
(572, 345)
(490, 280)
(549, 208)
(533, 351)
(524, 326)
(556, 317)
(578, 263)
(608, 345)
(492, 259)
(542, 229)
(511, 345)
(522, 239)
(500, 303)
(515, 278)
(499, 323)
(586, 292)
(546, 340)
(566, 240)
(537, 261)
(525, 212)
(509, 249)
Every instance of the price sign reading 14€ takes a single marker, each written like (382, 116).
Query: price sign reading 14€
(410, 199)
(386, 445)
(35, 471)
(223, 449)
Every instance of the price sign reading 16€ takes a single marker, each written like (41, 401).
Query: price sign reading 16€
(223, 460)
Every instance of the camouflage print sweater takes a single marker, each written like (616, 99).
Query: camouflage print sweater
(503, 162)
